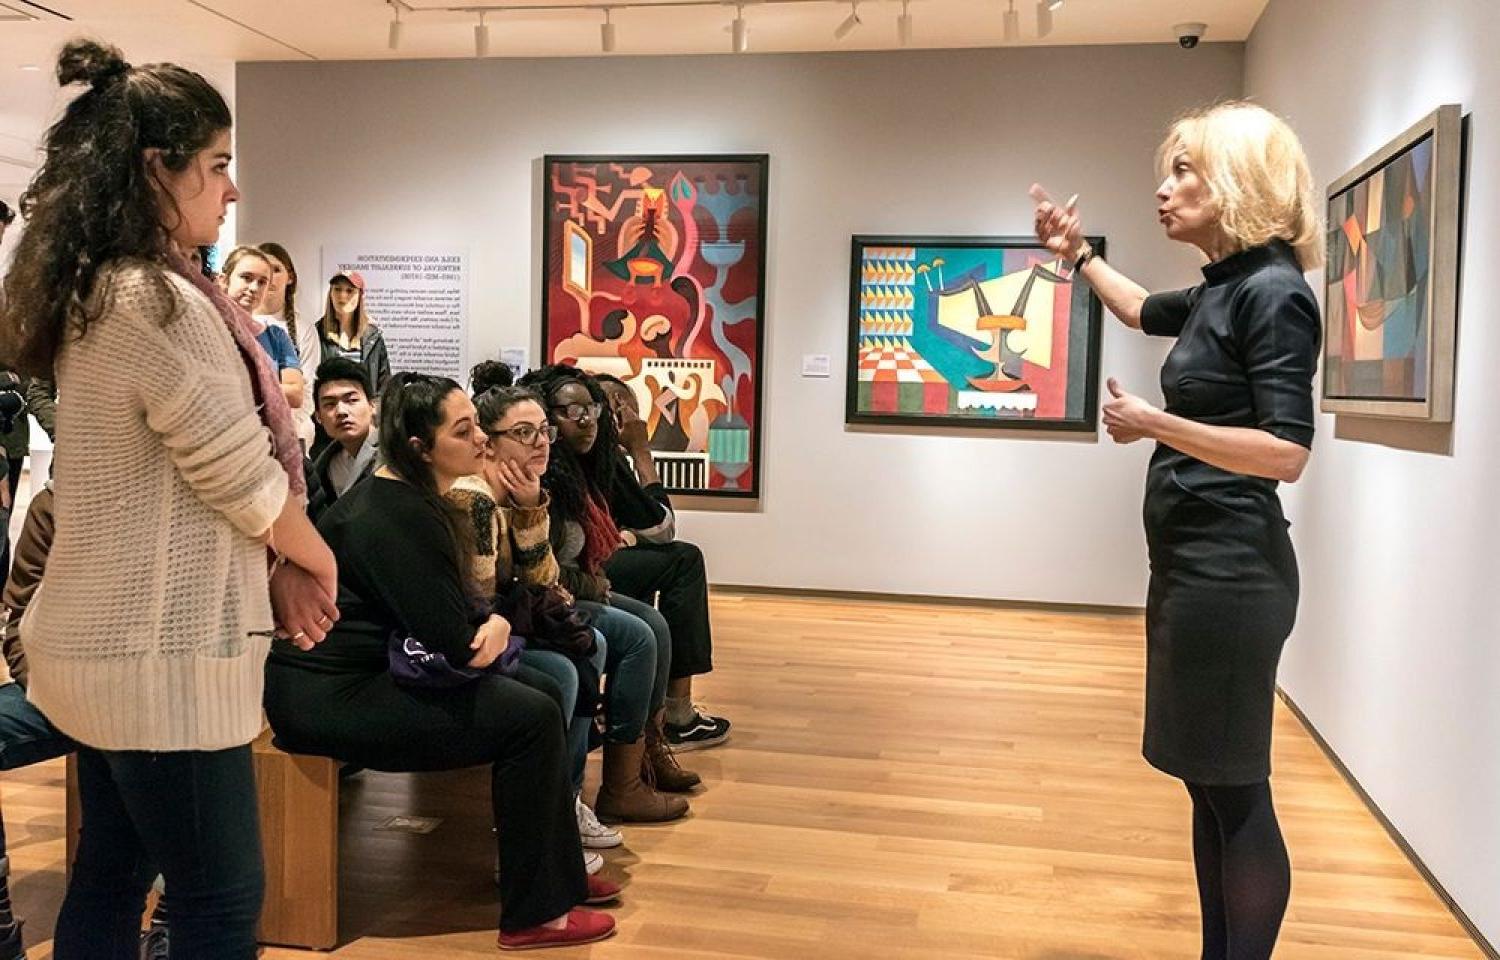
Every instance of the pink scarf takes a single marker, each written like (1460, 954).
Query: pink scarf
(270, 402)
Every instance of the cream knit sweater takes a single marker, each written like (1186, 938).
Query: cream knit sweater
(150, 629)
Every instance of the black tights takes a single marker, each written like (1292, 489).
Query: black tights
(1244, 877)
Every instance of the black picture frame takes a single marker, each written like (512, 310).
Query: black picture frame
(761, 163)
(1091, 312)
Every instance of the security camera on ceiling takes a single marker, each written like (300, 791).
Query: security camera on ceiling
(1188, 34)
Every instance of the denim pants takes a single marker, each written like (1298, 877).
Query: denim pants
(25, 735)
(561, 669)
(189, 815)
(25, 738)
(636, 672)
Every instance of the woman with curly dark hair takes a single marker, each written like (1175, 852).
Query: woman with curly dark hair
(584, 536)
(148, 643)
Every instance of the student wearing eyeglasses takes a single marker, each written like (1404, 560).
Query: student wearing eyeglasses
(584, 536)
(514, 540)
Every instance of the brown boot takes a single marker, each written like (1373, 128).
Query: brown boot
(625, 797)
(661, 768)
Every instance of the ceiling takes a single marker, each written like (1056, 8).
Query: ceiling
(357, 29)
(211, 35)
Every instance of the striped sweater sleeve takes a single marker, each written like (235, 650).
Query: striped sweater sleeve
(528, 535)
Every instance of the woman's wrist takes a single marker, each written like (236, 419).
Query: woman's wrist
(1083, 254)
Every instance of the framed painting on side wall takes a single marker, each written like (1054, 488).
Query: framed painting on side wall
(1390, 313)
(970, 332)
(654, 271)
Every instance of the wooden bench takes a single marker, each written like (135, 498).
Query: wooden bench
(299, 826)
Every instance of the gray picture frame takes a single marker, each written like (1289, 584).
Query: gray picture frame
(1437, 335)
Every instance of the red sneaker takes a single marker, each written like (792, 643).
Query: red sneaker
(602, 891)
(583, 926)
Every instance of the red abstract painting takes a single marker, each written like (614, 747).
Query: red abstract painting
(654, 272)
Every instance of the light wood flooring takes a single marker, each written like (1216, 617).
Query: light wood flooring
(905, 781)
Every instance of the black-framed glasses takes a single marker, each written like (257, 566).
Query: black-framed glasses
(579, 412)
(526, 434)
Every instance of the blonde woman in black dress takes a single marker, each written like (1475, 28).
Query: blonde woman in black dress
(1238, 419)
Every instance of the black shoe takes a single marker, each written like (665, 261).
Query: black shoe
(700, 732)
(154, 942)
(10, 942)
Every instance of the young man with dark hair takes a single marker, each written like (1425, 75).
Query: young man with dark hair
(342, 407)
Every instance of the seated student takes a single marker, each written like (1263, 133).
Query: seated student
(584, 536)
(247, 274)
(510, 541)
(520, 447)
(399, 548)
(26, 737)
(341, 398)
(658, 566)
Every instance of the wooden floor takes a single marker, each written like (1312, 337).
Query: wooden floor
(905, 781)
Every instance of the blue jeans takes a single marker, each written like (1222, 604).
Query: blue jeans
(661, 635)
(633, 668)
(25, 738)
(25, 735)
(561, 669)
(189, 815)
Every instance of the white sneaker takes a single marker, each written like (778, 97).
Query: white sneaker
(592, 862)
(595, 835)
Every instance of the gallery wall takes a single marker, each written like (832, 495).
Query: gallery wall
(444, 154)
(1395, 658)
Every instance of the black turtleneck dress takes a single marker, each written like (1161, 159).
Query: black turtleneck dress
(1223, 593)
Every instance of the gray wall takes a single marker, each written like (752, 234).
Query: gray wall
(1395, 658)
(446, 153)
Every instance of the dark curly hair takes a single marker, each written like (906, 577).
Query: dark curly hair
(487, 374)
(571, 477)
(91, 201)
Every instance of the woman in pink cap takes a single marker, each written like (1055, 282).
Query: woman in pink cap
(347, 330)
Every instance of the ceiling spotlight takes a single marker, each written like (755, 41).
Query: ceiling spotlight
(850, 22)
(481, 38)
(1012, 24)
(1043, 18)
(394, 38)
(903, 24)
(741, 29)
(607, 33)
(1054, 5)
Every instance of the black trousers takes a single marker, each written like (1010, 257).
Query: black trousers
(366, 719)
(675, 572)
(190, 816)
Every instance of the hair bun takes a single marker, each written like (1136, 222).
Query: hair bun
(91, 62)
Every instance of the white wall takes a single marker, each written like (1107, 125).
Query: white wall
(447, 153)
(1395, 658)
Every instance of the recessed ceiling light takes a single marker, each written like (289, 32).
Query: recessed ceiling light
(31, 68)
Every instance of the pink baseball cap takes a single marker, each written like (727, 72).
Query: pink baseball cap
(350, 275)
